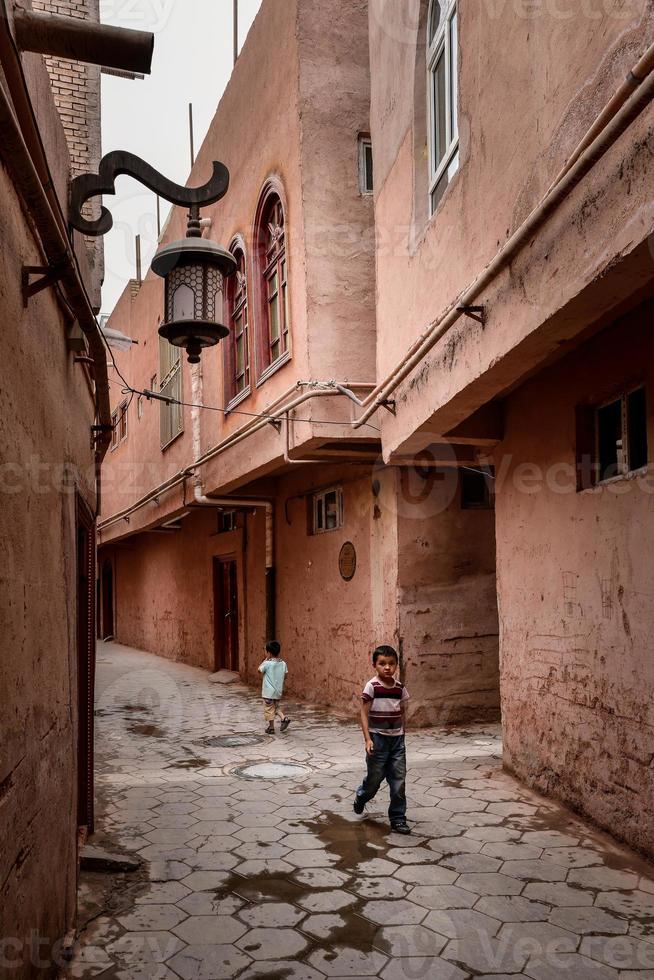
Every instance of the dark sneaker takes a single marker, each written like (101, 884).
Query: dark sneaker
(358, 806)
(284, 725)
(401, 827)
(270, 730)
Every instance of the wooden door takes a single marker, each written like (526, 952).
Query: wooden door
(107, 600)
(85, 663)
(225, 604)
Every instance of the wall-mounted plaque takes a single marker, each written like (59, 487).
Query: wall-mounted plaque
(347, 561)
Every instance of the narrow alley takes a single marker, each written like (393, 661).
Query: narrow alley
(254, 865)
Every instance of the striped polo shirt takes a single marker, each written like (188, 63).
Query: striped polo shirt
(385, 716)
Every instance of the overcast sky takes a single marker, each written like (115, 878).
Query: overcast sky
(193, 54)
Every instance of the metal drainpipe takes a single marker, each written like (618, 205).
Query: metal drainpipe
(219, 503)
(593, 152)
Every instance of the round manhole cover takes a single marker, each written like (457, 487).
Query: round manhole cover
(233, 741)
(272, 770)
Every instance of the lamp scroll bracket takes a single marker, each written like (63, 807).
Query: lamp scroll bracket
(118, 162)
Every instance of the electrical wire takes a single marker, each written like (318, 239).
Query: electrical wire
(128, 389)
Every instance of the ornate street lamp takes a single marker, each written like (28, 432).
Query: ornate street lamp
(193, 269)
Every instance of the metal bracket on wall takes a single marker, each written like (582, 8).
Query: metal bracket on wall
(477, 313)
(276, 424)
(389, 405)
(97, 431)
(49, 276)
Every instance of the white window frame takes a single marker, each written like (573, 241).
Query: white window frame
(365, 146)
(171, 416)
(319, 508)
(443, 44)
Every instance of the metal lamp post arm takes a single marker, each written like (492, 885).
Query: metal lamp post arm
(87, 186)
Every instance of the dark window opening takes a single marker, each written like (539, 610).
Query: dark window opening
(476, 489)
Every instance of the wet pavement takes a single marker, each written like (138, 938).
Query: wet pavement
(254, 870)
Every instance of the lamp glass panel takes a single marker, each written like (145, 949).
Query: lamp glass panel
(183, 303)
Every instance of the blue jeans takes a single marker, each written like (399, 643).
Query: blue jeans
(388, 761)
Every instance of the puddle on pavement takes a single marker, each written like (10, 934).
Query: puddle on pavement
(351, 843)
(141, 728)
(194, 763)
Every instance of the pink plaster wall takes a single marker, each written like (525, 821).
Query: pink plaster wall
(575, 594)
(293, 109)
(508, 161)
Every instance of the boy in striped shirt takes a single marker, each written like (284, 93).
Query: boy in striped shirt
(382, 722)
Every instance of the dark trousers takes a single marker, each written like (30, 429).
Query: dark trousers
(388, 761)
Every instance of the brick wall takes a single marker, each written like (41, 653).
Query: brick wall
(76, 90)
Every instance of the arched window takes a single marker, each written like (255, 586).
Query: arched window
(272, 275)
(443, 96)
(237, 351)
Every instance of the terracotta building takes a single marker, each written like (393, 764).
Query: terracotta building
(445, 361)
(535, 219)
(220, 529)
(54, 430)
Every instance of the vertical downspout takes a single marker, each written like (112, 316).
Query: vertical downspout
(199, 498)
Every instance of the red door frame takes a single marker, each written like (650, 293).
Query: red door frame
(225, 606)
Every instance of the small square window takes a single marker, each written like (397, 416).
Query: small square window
(227, 521)
(611, 438)
(366, 184)
(327, 510)
(477, 489)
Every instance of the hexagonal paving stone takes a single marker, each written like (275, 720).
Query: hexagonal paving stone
(136, 948)
(208, 903)
(475, 863)
(569, 966)
(88, 961)
(603, 879)
(321, 877)
(217, 843)
(544, 939)
(208, 962)
(513, 908)
(426, 874)
(483, 954)
(261, 851)
(410, 940)
(490, 884)
(252, 869)
(637, 902)
(326, 901)
(447, 846)
(212, 862)
(281, 968)
(272, 915)
(202, 930)
(443, 897)
(151, 918)
(168, 870)
(411, 855)
(162, 893)
(465, 805)
(375, 867)
(254, 819)
(493, 834)
(397, 912)
(557, 893)
(549, 838)
(311, 859)
(323, 926)
(422, 968)
(343, 961)
(178, 837)
(572, 857)
(258, 834)
(619, 952)
(457, 923)
(589, 919)
(512, 851)
(379, 887)
(199, 881)
(272, 944)
(210, 813)
(534, 870)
